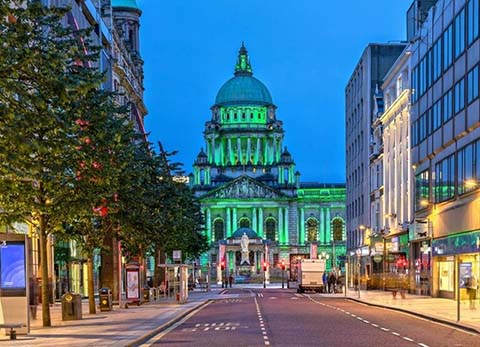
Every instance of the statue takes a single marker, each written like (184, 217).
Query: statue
(245, 253)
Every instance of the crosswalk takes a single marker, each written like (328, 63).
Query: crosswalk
(213, 327)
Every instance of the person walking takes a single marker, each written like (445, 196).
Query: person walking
(331, 282)
(324, 279)
(230, 280)
(472, 286)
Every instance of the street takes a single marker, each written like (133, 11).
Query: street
(276, 317)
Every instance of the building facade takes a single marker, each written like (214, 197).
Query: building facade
(446, 144)
(392, 215)
(247, 183)
(366, 78)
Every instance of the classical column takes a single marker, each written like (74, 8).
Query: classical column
(257, 151)
(254, 220)
(230, 151)
(249, 149)
(328, 232)
(229, 223)
(285, 227)
(209, 225)
(213, 150)
(265, 151)
(239, 150)
(279, 235)
(321, 232)
(301, 235)
(234, 221)
(260, 222)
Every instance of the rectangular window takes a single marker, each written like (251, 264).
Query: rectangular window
(472, 83)
(422, 128)
(437, 59)
(415, 133)
(468, 168)
(422, 190)
(447, 106)
(414, 84)
(459, 96)
(472, 33)
(460, 33)
(447, 47)
(437, 114)
(445, 179)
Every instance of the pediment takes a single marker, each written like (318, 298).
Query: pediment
(244, 187)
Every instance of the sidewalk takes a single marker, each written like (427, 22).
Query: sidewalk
(120, 327)
(437, 309)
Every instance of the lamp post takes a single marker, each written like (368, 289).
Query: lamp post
(265, 267)
(358, 253)
(283, 273)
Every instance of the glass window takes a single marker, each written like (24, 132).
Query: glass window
(459, 92)
(460, 33)
(445, 179)
(271, 227)
(218, 230)
(447, 47)
(472, 83)
(337, 226)
(468, 170)
(447, 106)
(312, 229)
(414, 84)
(437, 114)
(244, 223)
(437, 59)
(472, 32)
(422, 190)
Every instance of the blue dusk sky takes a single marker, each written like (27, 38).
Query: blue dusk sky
(303, 50)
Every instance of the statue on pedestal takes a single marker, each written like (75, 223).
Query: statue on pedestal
(245, 252)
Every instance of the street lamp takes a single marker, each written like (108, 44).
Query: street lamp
(358, 253)
(282, 266)
(265, 267)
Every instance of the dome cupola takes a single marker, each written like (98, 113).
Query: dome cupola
(243, 89)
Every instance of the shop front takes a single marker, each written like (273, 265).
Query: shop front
(458, 252)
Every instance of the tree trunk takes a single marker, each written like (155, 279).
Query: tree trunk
(91, 288)
(44, 271)
(159, 275)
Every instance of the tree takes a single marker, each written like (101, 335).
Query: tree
(45, 69)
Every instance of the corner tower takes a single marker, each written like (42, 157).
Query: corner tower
(244, 136)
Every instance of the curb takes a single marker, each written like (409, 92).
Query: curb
(421, 315)
(166, 325)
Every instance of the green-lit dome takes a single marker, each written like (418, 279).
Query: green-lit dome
(243, 89)
(125, 3)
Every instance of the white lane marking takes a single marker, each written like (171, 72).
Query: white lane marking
(294, 298)
(206, 329)
(423, 345)
(156, 338)
(396, 334)
(408, 339)
(375, 325)
(385, 329)
(267, 343)
(366, 321)
(265, 337)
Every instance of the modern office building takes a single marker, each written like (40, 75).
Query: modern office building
(375, 61)
(247, 184)
(445, 133)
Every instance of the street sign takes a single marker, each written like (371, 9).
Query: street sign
(377, 258)
(177, 255)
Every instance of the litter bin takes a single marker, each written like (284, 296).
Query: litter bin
(146, 294)
(71, 306)
(106, 302)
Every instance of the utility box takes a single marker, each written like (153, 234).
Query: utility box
(71, 306)
(106, 302)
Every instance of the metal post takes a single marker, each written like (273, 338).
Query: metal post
(458, 287)
(283, 283)
(264, 279)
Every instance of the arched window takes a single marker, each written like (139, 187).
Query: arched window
(218, 230)
(337, 226)
(312, 230)
(244, 223)
(270, 228)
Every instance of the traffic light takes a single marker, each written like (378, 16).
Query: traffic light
(265, 266)
(222, 265)
(282, 265)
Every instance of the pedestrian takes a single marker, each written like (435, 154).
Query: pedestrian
(331, 282)
(472, 286)
(230, 280)
(324, 279)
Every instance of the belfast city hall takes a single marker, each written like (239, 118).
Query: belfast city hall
(258, 213)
